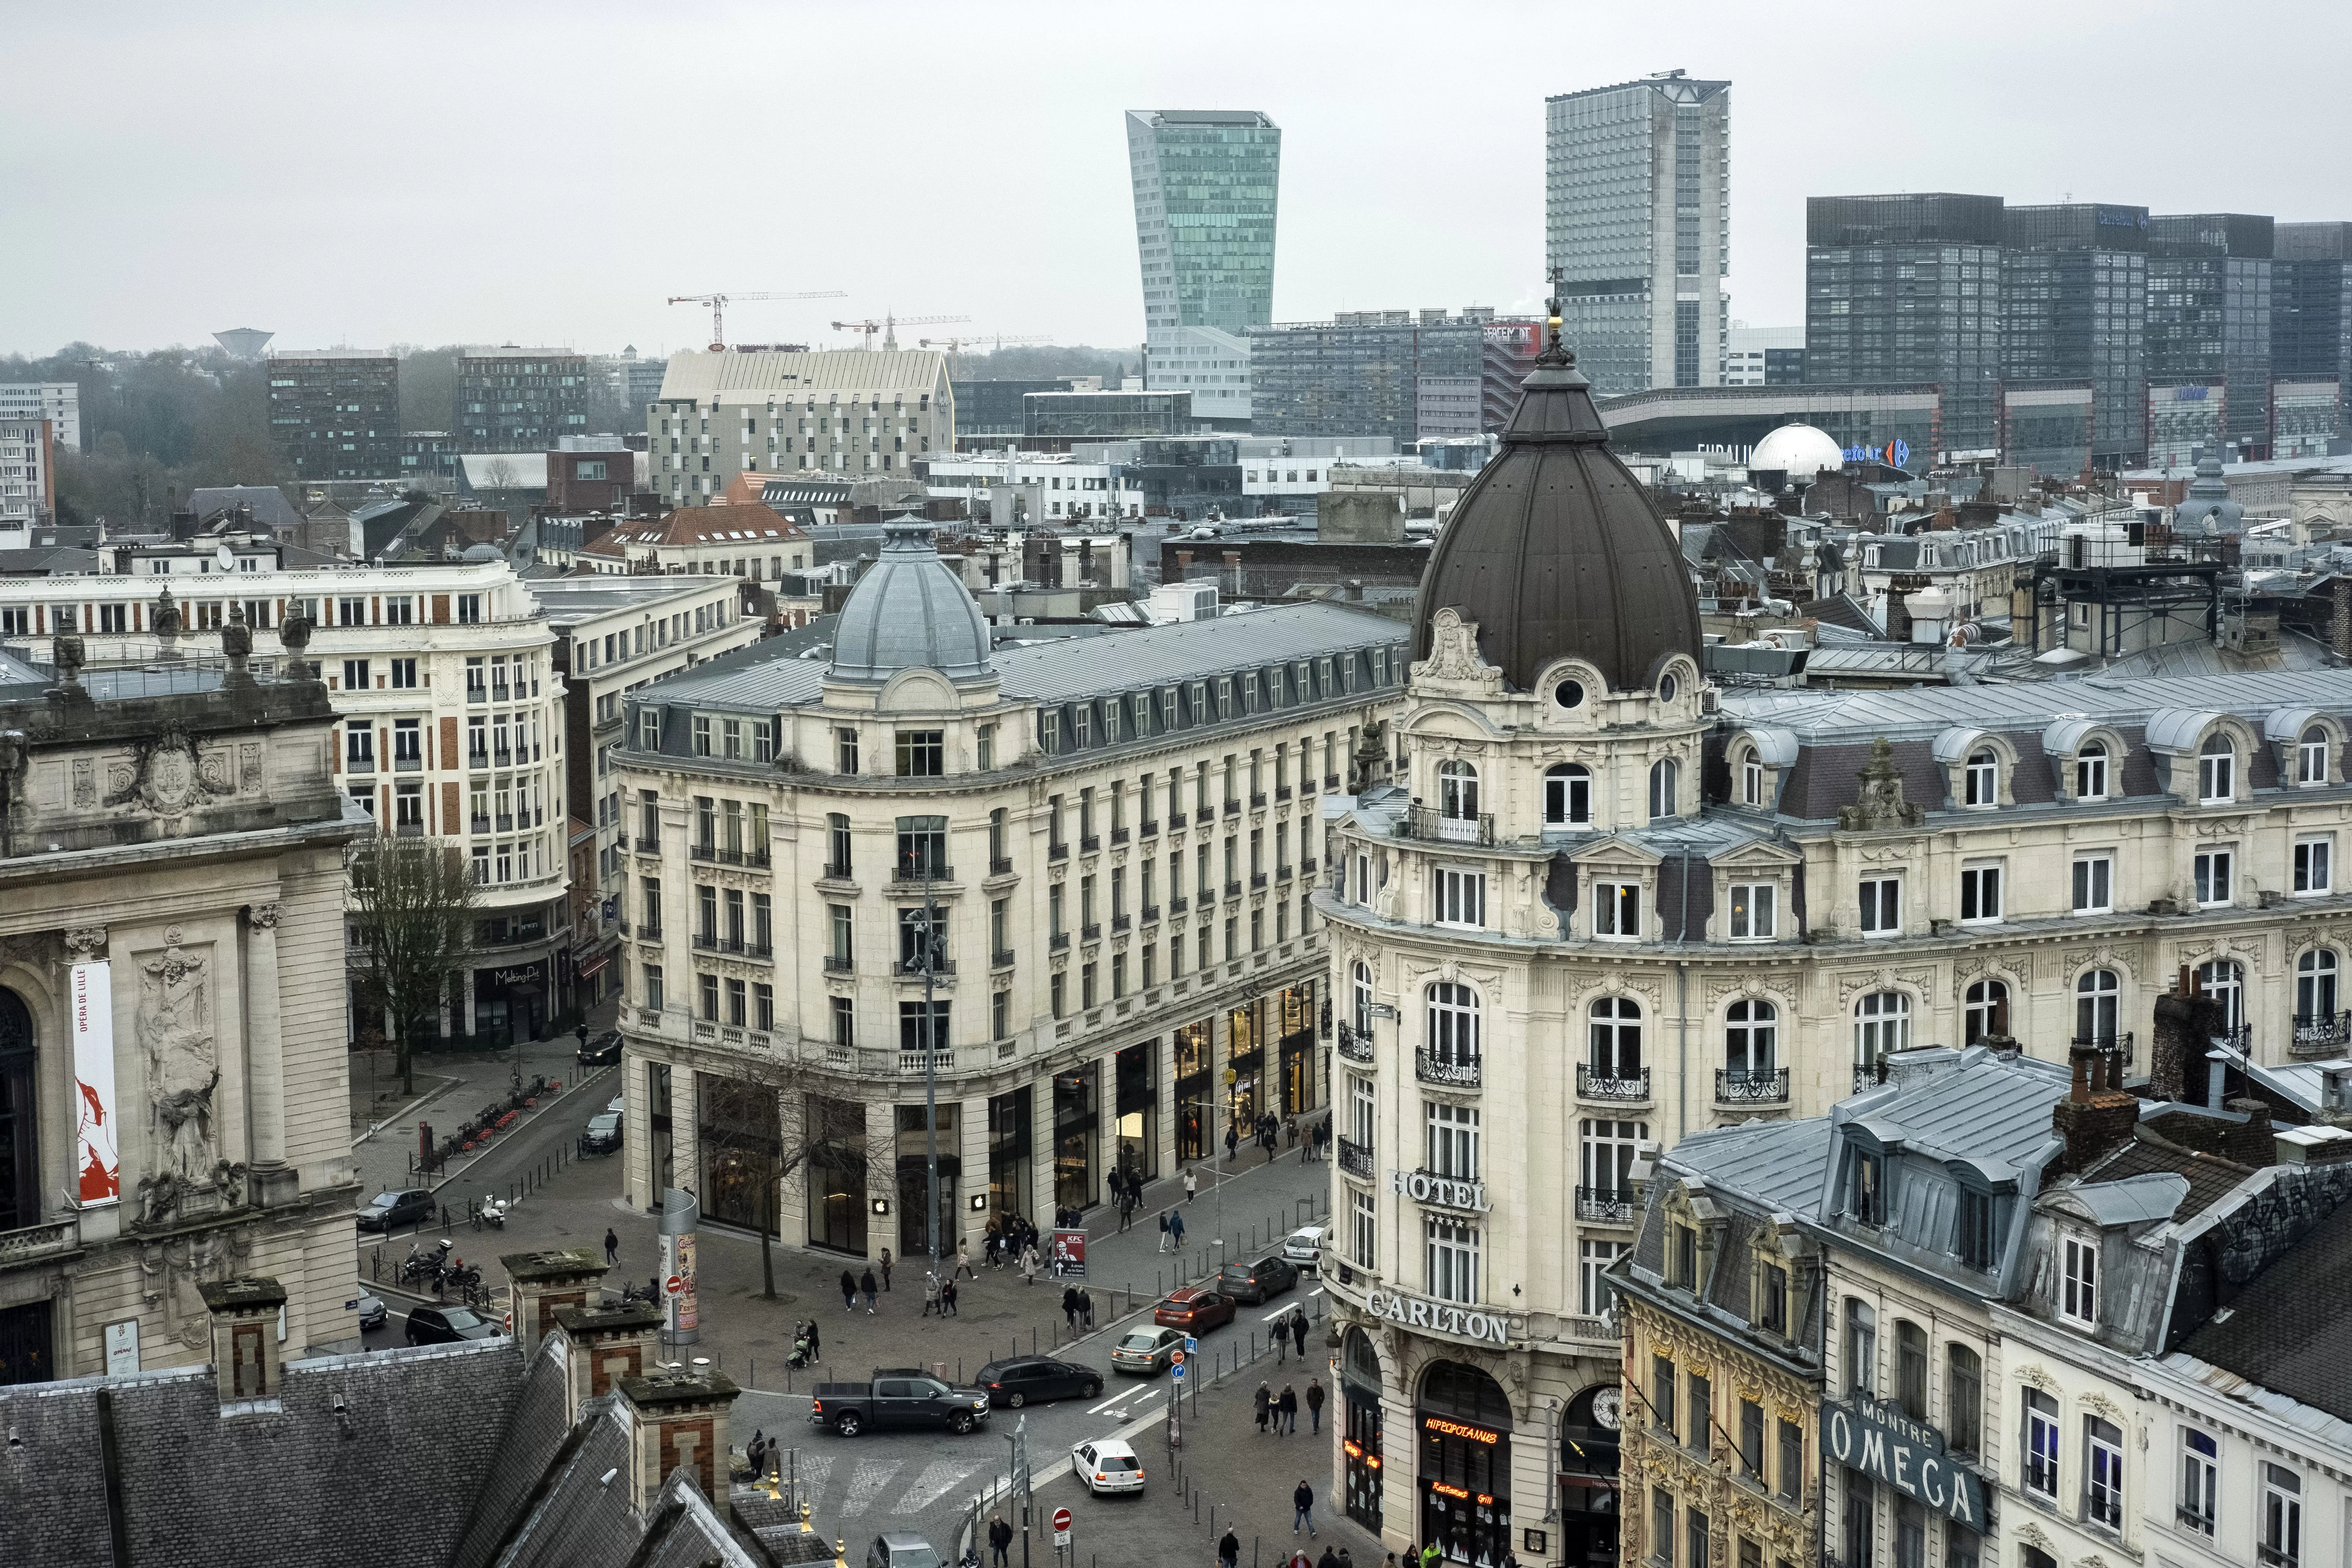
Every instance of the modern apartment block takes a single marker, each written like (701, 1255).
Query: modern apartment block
(837, 411)
(1764, 356)
(513, 399)
(2209, 313)
(28, 477)
(1205, 183)
(335, 413)
(58, 402)
(1908, 289)
(1637, 198)
(2074, 307)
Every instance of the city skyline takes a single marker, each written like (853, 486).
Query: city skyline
(98, 186)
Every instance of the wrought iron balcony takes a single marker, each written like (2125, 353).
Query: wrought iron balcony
(1736, 1086)
(1355, 1159)
(1233, 809)
(1232, 889)
(1605, 1205)
(1257, 881)
(1060, 942)
(1179, 904)
(2321, 1033)
(1592, 1084)
(1118, 835)
(1257, 799)
(1152, 914)
(1865, 1076)
(1282, 792)
(1207, 814)
(1058, 852)
(1121, 922)
(1089, 843)
(1148, 829)
(999, 867)
(1426, 822)
(1459, 1070)
(1356, 1047)
(1092, 932)
(1001, 959)
(915, 968)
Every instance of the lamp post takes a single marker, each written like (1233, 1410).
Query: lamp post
(928, 955)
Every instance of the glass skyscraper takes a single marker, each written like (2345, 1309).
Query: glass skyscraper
(2208, 314)
(2311, 306)
(1637, 196)
(1908, 289)
(2073, 299)
(1205, 183)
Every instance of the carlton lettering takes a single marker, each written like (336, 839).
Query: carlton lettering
(1440, 1318)
(1883, 1442)
(1423, 1187)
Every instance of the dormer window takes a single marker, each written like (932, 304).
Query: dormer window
(1664, 778)
(2217, 771)
(1567, 796)
(1982, 783)
(2078, 1294)
(2311, 758)
(1866, 1192)
(2091, 771)
(1752, 779)
(1685, 1257)
(1976, 1239)
(1771, 1311)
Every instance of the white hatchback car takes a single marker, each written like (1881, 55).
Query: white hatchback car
(1108, 1466)
(1304, 1247)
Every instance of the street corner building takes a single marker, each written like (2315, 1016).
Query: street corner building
(1053, 884)
(173, 1099)
(1599, 904)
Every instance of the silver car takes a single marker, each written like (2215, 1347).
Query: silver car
(1146, 1351)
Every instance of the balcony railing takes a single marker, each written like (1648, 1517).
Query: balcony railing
(478, 824)
(649, 846)
(1152, 914)
(1257, 800)
(1426, 822)
(1232, 889)
(2321, 1034)
(1121, 922)
(1739, 1086)
(838, 965)
(1057, 852)
(409, 830)
(1207, 814)
(1118, 835)
(762, 950)
(1331, 781)
(1233, 809)
(1593, 1084)
(1001, 865)
(1089, 843)
(1179, 904)
(913, 968)
(911, 878)
(2107, 1045)
(1356, 1047)
(1282, 792)
(1001, 959)
(1090, 931)
(1282, 873)
(1355, 1157)
(1865, 1076)
(1459, 1069)
(1257, 881)
(408, 764)
(360, 765)
(1060, 942)
(35, 1242)
(1605, 1205)
(1148, 829)
(915, 1061)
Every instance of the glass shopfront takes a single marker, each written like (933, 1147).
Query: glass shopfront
(836, 1175)
(1245, 1060)
(1135, 1074)
(742, 1152)
(1076, 1131)
(1360, 1437)
(1587, 1478)
(1464, 1425)
(1295, 1006)
(914, 1172)
(1008, 1153)
(1192, 1091)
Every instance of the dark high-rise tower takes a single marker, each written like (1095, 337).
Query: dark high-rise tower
(2209, 313)
(2073, 299)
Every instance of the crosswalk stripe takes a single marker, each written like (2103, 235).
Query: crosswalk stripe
(872, 1476)
(930, 1486)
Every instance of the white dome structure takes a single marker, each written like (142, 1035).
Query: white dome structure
(1798, 451)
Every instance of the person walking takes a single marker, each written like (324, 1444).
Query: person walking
(1163, 1233)
(1192, 1182)
(815, 1343)
(1302, 1503)
(948, 1297)
(1432, 1555)
(931, 1291)
(1315, 1404)
(848, 1291)
(611, 1248)
(963, 1261)
(1229, 1549)
(1030, 1263)
(1176, 1230)
(1288, 1408)
(1232, 1142)
(1328, 1560)
(1264, 1400)
(886, 1269)
(1298, 1330)
(1070, 1308)
(1000, 1542)
(866, 1287)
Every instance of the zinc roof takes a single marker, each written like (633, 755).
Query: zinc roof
(1777, 1163)
(699, 372)
(1830, 715)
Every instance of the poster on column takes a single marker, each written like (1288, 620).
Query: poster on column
(1069, 1261)
(95, 1156)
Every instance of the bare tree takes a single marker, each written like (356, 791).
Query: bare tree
(412, 910)
(768, 1119)
(500, 474)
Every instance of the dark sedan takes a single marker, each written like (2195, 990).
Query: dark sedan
(1254, 1282)
(1035, 1379)
(387, 1212)
(447, 1326)
(603, 1051)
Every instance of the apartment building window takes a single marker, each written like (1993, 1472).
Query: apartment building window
(2078, 1299)
(1664, 1407)
(2281, 1545)
(840, 924)
(2040, 1444)
(1771, 1297)
(2311, 758)
(921, 753)
(1593, 1258)
(1664, 782)
(1751, 1439)
(1980, 892)
(653, 993)
(844, 749)
(1363, 1233)
(2091, 771)
(986, 744)
(2102, 1473)
(1882, 906)
(2201, 1480)
(2313, 865)
(1453, 1258)
(1982, 779)
(1617, 910)
(469, 609)
(702, 735)
(355, 676)
(707, 986)
(836, 835)
(845, 1021)
(1662, 1527)
(763, 1008)
(1792, 1478)
(1860, 1347)
(1059, 990)
(359, 748)
(1755, 911)
(404, 674)
(2094, 884)
(648, 721)
(1461, 897)
(1454, 1140)
(2217, 771)
(1911, 1368)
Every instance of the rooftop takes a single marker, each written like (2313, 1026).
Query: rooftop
(2271, 1334)
(698, 373)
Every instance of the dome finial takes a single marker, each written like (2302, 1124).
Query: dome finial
(1555, 352)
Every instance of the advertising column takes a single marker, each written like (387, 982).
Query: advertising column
(679, 1216)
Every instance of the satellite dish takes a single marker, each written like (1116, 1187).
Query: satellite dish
(225, 558)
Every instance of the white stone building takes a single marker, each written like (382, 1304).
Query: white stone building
(840, 410)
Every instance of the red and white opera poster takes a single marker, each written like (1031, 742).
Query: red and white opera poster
(93, 1055)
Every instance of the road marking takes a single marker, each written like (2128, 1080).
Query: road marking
(930, 1486)
(1107, 1404)
(867, 1485)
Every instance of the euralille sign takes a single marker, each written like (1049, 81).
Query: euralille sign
(1879, 1440)
(1440, 1318)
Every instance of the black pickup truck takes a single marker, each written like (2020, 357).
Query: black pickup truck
(900, 1396)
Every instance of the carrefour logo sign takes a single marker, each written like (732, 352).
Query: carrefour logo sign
(1895, 454)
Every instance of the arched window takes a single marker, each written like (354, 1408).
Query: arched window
(2098, 1005)
(1664, 778)
(1457, 790)
(1881, 1026)
(2217, 769)
(2091, 771)
(1983, 780)
(2314, 987)
(20, 1140)
(1568, 796)
(1617, 1039)
(1362, 1008)
(2224, 981)
(1453, 1024)
(1986, 1011)
(1751, 777)
(1752, 1032)
(2311, 757)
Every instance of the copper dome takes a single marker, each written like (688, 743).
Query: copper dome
(1555, 550)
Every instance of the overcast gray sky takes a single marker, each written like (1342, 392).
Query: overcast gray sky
(542, 172)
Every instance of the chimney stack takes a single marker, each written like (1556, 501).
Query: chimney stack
(604, 1344)
(677, 1416)
(2098, 1113)
(246, 1356)
(544, 1281)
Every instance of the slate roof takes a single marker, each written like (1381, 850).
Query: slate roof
(271, 509)
(748, 522)
(2271, 1334)
(1778, 1163)
(2210, 1177)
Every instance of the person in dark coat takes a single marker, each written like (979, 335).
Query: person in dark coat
(1229, 1549)
(886, 1269)
(817, 1345)
(1070, 1307)
(1298, 1330)
(1288, 1407)
(611, 1247)
(1264, 1400)
(1000, 1541)
(1315, 1404)
(1302, 1503)
(948, 1297)
(866, 1288)
(848, 1291)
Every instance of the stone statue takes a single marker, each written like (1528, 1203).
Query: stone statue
(1881, 804)
(175, 1035)
(236, 637)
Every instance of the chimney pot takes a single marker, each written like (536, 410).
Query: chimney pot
(541, 1283)
(245, 1353)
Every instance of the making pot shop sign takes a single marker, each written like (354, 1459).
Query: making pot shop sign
(1887, 1446)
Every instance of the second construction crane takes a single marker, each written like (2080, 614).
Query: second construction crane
(718, 302)
(890, 324)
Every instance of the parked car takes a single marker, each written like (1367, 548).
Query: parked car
(897, 1397)
(617, 1104)
(1146, 1351)
(601, 1135)
(372, 1312)
(1304, 1247)
(1196, 1307)
(387, 1212)
(1107, 1465)
(1254, 1282)
(601, 1050)
(1035, 1379)
(448, 1325)
(901, 1549)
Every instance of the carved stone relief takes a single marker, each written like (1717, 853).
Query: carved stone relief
(175, 1036)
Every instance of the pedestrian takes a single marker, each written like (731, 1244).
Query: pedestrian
(886, 1269)
(756, 1453)
(1229, 1549)
(1086, 1309)
(1288, 1407)
(1298, 1330)
(1232, 1143)
(1328, 1560)
(1176, 1230)
(866, 1285)
(1290, 1131)
(1302, 1503)
(611, 1248)
(1430, 1555)
(1299, 1558)
(963, 1261)
(948, 1297)
(1192, 1182)
(1315, 1404)
(1030, 1264)
(1346, 1561)
(1264, 1400)
(1281, 1344)
(1163, 1233)
(848, 1291)
(931, 1291)
(817, 1345)
(1070, 1307)
(1000, 1542)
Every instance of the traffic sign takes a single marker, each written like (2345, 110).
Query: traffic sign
(1061, 1519)
(1176, 1358)
(1177, 1372)
(1191, 1345)
(674, 1285)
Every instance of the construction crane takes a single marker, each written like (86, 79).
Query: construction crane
(890, 324)
(955, 347)
(717, 303)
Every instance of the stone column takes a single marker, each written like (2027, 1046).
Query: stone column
(882, 1176)
(971, 1138)
(274, 1182)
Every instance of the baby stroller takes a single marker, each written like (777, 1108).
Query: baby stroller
(800, 1356)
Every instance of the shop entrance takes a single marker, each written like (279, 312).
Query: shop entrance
(837, 1173)
(1587, 1478)
(1136, 1151)
(914, 1173)
(1192, 1092)
(1298, 1091)
(1078, 1120)
(1360, 1440)
(1466, 1465)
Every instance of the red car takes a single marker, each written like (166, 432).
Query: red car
(1195, 1308)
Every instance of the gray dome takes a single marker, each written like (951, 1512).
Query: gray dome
(2208, 506)
(909, 612)
(482, 552)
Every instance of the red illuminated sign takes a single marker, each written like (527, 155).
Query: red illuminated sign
(1456, 1429)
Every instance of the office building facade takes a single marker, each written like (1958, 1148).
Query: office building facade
(1205, 184)
(1369, 372)
(1637, 198)
(838, 411)
(2311, 304)
(514, 399)
(1908, 289)
(2074, 302)
(335, 413)
(2209, 313)
(28, 479)
(1764, 356)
